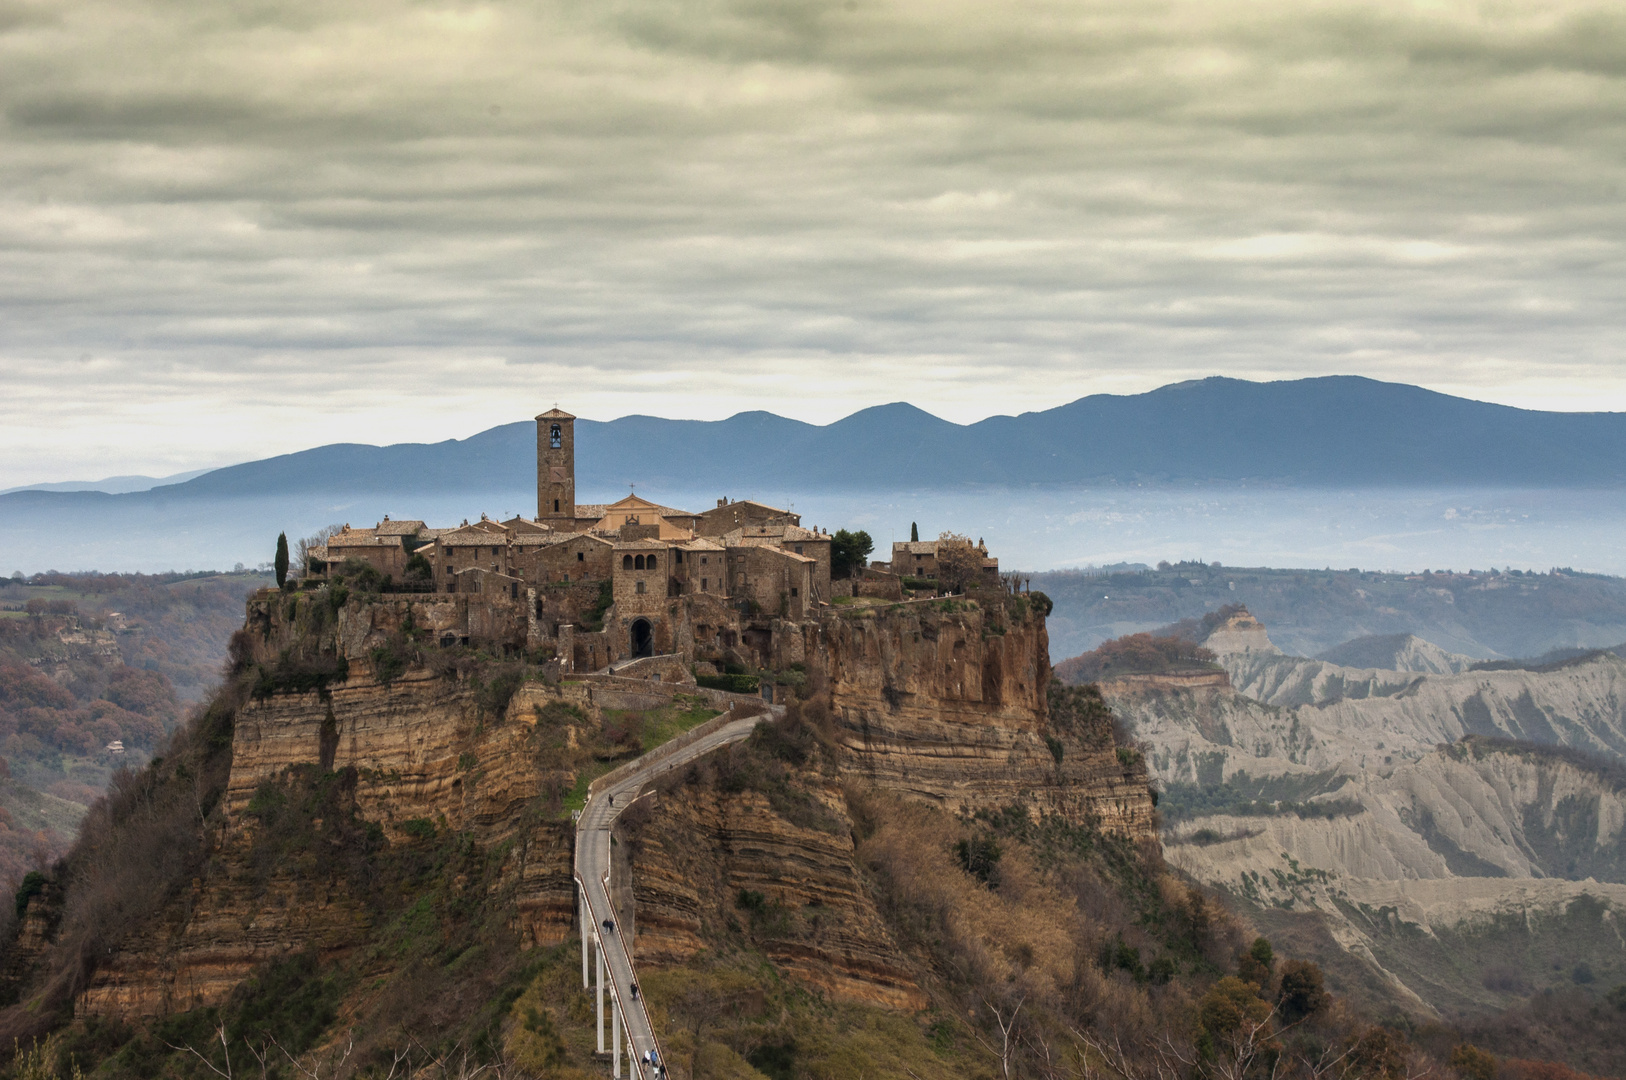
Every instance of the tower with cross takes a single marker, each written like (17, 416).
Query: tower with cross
(556, 469)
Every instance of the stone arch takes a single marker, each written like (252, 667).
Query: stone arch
(626, 562)
(643, 638)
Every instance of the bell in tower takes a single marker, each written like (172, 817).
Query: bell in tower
(556, 470)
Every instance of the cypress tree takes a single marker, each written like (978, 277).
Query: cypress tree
(914, 533)
(281, 561)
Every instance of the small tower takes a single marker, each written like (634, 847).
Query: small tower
(556, 469)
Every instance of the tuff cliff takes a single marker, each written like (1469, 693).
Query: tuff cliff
(361, 747)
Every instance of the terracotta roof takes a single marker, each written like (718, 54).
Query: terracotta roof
(525, 525)
(354, 539)
(764, 544)
(555, 413)
(399, 528)
(916, 547)
(471, 536)
(747, 502)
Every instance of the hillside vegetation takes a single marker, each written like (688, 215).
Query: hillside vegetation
(86, 660)
(1040, 948)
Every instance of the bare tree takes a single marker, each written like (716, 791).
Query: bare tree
(411, 1062)
(1007, 1028)
(959, 563)
(302, 550)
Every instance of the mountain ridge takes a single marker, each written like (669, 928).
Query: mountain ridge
(1332, 430)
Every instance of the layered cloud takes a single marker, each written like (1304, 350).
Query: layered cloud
(227, 230)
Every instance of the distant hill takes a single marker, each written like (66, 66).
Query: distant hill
(1396, 652)
(1323, 612)
(111, 485)
(1328, 431)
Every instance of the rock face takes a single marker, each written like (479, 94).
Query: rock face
(1240, 635)
(422, 749)
(1360, 795)
(944, 702)
(951, 707)
(805, 896)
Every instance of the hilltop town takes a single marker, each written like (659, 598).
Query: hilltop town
(601, 584)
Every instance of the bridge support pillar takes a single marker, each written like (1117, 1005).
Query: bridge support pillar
(587, 983)
(615, 1035)
(598, 1012)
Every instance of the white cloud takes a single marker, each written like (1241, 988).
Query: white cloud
(287, 223)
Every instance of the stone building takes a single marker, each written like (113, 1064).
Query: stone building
(727, 516)
(602, 583)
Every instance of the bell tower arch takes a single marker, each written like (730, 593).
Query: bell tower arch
(556, 469)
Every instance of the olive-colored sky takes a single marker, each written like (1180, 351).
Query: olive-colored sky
(233, 229)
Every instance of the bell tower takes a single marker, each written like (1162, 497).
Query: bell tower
(556, 470)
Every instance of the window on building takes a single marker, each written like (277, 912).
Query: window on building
(650, 563)
(626, 562)
(793, 590)
(580, 557)
(495, 552)
(638, 562)
(677, 558)
(640, 587)
(703, 560)
(556, 506)
(556, 437)
(798, 549)
(567, 577)
(705, 585)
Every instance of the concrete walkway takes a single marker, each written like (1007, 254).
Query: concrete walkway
(628, 1021)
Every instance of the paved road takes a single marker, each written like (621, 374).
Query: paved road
(593, 872)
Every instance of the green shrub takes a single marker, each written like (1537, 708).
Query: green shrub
(734, 684)
(390, 660)
(593, 620)
(979, 857)
(33, 884)
(300, 675)
(419, 828)
(289, 1000)
(498, 688)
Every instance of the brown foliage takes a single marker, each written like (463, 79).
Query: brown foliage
(137, 848)
(1134, 654)
(959, 563)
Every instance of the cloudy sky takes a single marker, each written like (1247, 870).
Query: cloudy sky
(233, 229)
